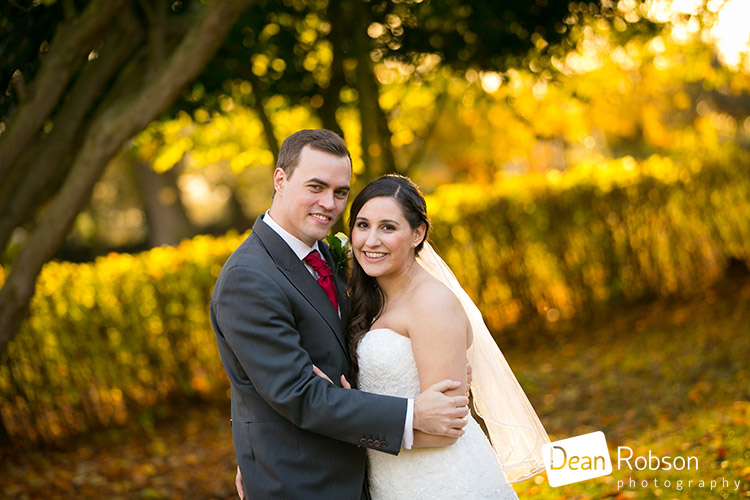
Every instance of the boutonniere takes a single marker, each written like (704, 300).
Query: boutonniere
(341, 249)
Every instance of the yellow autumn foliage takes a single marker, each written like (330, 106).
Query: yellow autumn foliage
(127, 331)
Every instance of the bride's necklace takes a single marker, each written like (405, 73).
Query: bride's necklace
(403, 287)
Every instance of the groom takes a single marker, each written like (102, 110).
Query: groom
(277, 310)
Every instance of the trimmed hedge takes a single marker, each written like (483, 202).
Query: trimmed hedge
(561, 245)
(128, 331)
(104, 338)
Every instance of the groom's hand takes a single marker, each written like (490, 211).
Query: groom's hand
(437, 413)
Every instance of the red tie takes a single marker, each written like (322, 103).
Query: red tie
(325, 276)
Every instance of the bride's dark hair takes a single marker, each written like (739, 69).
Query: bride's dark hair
(367, 298)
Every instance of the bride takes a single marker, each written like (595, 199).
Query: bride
(411, 326)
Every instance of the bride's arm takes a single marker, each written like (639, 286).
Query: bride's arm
(438, 330)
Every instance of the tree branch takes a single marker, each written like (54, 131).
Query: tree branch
(273, 143)
(421, 150)
(67, 50)
(69, 9)
(110, 129)
(157, 33)
(19, 85)
(41, 165)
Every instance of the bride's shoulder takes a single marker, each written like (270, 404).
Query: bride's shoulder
(433, 297)
(436, 313)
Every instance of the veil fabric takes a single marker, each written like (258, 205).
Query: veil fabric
(515, 431)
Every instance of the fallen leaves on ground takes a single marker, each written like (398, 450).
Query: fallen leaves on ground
(671, 377)
(185, 453)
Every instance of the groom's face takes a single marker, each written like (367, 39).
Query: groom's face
(308, 202)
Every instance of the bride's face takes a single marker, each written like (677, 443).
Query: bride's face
(382, 239)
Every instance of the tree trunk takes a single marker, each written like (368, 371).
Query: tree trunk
(167, 218)
(331, 99)
(376, 137)
(237, 218)
(110, 129)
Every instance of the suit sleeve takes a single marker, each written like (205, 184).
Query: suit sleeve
(255, 318)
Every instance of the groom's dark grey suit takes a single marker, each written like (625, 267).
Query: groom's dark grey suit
(296, 435)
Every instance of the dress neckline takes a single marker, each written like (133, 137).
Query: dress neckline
(389, 330)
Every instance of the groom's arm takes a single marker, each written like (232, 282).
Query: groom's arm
(254, 316)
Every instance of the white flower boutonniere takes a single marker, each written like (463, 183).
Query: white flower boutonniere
(341, 250)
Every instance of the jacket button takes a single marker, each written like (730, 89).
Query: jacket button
(370, 442)
(363, 441)
(384, 444)
(376, 443)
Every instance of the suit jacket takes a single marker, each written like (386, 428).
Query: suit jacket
(296, 435)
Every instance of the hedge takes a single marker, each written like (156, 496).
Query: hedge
(128, 331)
(561, 245)
(108, 337)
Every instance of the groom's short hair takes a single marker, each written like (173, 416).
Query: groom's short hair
(319, 139)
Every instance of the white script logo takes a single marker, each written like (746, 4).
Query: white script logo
(576, 459)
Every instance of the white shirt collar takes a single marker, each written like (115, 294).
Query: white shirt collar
(299, 247)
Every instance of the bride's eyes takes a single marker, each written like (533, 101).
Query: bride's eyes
(366, 225)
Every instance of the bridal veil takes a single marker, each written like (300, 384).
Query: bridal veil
(515, 431)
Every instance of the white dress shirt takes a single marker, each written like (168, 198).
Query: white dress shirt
(301, 249)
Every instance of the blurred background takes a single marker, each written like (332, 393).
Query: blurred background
(587, 171)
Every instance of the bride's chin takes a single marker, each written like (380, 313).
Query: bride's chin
(371, 273)
(368, 270)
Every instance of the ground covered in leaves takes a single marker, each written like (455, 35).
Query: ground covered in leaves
(184, 452)
(671, 378)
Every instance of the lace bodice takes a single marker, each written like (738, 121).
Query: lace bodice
(466, 470)
(387, 364)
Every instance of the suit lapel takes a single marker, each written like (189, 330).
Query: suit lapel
(298, 275)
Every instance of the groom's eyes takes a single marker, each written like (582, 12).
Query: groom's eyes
(341, 194)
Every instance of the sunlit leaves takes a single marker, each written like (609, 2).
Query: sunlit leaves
(107, 338)
(129, 330)
(613, 86)
(234, 137)
(564, 244)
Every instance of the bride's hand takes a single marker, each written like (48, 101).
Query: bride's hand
(344, 383)
(238, 484)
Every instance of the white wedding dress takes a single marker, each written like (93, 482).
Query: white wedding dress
(466, 470)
